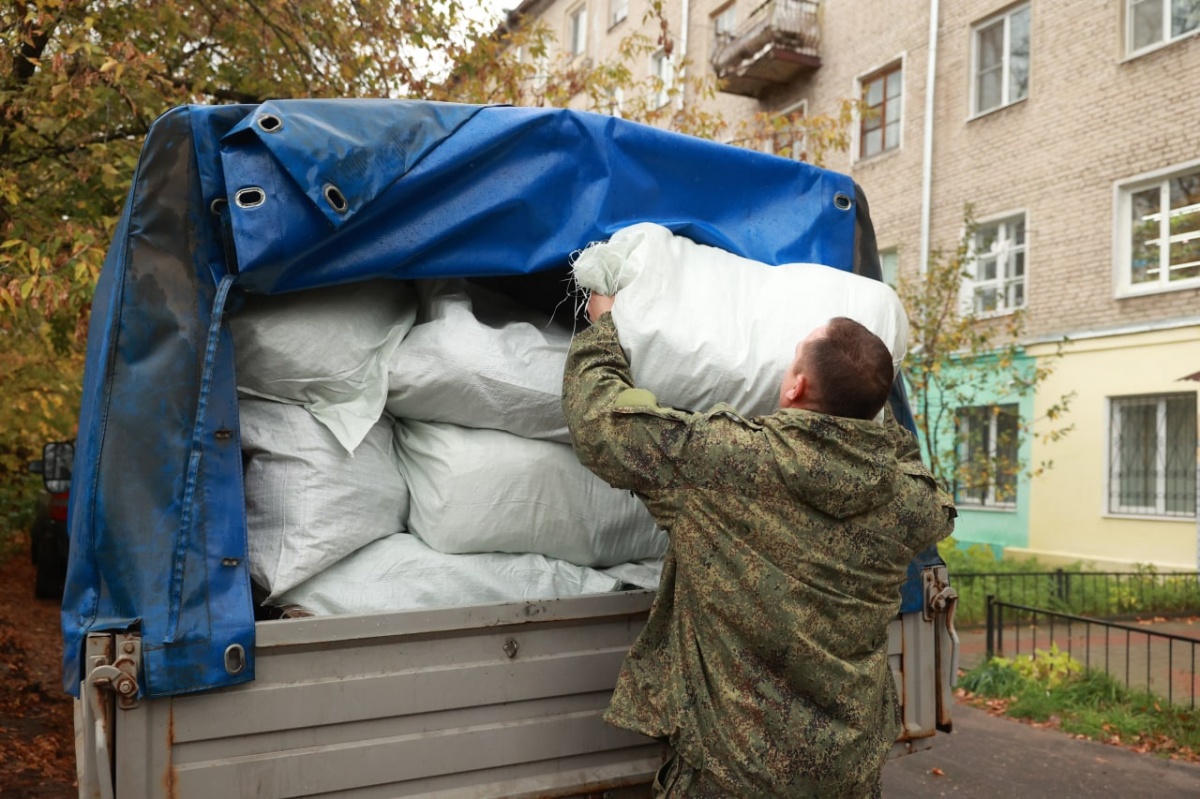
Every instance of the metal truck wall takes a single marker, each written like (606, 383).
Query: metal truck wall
(296, 194)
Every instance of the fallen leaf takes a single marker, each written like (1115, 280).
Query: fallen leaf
(937, 772)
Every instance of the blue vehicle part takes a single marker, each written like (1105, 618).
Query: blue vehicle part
(296, 194)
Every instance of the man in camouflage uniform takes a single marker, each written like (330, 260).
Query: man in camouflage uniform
(764, 660)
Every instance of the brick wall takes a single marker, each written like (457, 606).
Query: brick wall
(1092, 118)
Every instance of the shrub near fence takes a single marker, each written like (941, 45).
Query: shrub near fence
(1156, 662)
(1080, 593)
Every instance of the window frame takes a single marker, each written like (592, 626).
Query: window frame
(993, 411)
(1166, 8)
(864, 82)
(892, 253)
(662, 66)
(618, 12)
(1006, 99)
(577, 33)
(1113, 505)
(728, 12)
(1001, 282)
(773, 145)
(1123, 194)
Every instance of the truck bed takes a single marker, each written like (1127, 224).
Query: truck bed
(458, 703)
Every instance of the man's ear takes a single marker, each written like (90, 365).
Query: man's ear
(795, 393)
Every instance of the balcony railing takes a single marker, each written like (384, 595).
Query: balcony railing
(780, 40)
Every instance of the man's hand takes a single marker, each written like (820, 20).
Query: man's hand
(598, 305)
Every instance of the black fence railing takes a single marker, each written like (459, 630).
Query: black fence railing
(1161, 663)
(1108, 594)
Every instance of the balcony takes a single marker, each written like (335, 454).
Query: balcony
(778, 42)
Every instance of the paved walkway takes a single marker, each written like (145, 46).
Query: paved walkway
(1170, 667)
(988, 757)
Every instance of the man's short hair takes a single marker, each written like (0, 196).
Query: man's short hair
(850, 369)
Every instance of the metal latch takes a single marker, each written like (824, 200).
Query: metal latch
(941, 600)
(122, 674)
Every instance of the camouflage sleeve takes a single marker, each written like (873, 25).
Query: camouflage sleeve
(620, 432)
(908, 456)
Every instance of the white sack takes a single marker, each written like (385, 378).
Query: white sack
(643, 574)
(401, 573)
(701, 325)
(459, 367)
(308, 502)
(326, 349)
(491, 491)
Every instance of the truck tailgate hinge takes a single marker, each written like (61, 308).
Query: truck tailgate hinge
(941, 600)
(121, 675)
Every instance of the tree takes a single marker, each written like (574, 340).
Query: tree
(84, 80)
(965, 370)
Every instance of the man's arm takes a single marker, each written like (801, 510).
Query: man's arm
(619, 432)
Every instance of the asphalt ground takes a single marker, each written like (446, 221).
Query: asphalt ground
(988, 756)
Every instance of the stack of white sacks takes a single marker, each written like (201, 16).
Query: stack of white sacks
(404, 442)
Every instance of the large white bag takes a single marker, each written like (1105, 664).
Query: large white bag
(326, 349)
(477, 490)
(458, 366)
(701, 325)
(308, 502)
(401, 573)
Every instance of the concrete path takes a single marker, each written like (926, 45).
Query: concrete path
(988, 757)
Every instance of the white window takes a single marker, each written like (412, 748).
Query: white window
(789, 136)
(1158, 232)
(1152, 455)
(889, 265)
(662, 68)
(614, 102)
(577, 30)
(617, 11)
(998, 250)
(879, 129)
(989, 436)
(724, 23)
(1000, 60)
(1150, 22)
(541, 73)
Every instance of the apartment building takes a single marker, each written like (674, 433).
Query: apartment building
(1072, 128)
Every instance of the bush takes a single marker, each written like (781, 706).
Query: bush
(1052, 687)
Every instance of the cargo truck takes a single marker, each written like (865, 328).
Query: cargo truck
(184, 687)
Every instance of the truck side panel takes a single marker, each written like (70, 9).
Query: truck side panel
(495, 701)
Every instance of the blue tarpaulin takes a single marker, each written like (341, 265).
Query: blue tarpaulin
(296, 194)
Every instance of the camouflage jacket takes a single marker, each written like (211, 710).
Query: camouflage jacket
(764, 661)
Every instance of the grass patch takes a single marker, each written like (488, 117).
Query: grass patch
(1054, 690)
(1073, 588)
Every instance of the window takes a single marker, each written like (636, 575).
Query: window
(1152, 455)
(1159, 232)
(889, 264)
(998, 285)
(987, 455)
(880, 127)
(788, 137)
(577, 30)
(615, 101)
(1001, 60)
(724, 22)
(1150, 22)
(617, 11)
(662, 69)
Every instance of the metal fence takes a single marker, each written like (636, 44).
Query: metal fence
(1110, 594)
(1146, 660)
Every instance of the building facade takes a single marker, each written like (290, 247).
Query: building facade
(1072, 130)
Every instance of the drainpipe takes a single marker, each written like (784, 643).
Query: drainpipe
(683, 53)
(927, 163)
